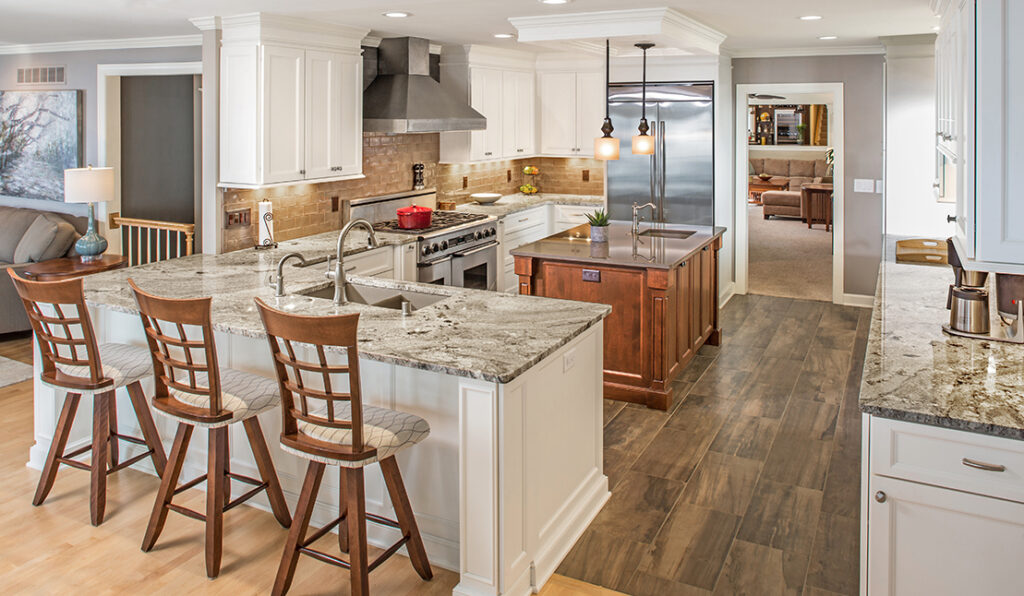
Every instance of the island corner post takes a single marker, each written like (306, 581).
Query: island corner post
(661, 315)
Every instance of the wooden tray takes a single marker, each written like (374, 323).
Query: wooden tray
(922, 250)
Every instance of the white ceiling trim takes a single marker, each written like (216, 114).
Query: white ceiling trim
(806, 51)
(168, 41)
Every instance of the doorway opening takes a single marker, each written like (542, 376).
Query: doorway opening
(789, 160)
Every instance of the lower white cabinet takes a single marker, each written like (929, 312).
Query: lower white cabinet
(517, 229)
(942, 511)
(567, 217)
(379, 262)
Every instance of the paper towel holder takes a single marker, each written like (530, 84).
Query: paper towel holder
(267, 242)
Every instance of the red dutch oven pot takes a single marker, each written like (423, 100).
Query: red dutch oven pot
(414, 217)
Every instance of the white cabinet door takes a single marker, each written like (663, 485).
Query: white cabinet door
(239, 114)
(590, 98)
(928, 540)
(485, 92)
(517, 114)
(284, 107)
(509, 111)
(324, 101)
(558, 113)
(350, 158)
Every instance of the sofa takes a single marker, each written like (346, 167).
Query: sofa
(796, 172)
(30, 236)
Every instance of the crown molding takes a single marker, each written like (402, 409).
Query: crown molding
(805, 52)
(373, 41)
(267, 27)
(169, 41)
(206, 23)
(486, 56)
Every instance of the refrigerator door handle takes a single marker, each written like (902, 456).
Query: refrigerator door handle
(662, 171)
(654, 176)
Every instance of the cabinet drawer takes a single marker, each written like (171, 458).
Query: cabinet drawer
(576, 215)
(975, 463)
(372, 263)
(525, 219)
(524, 236)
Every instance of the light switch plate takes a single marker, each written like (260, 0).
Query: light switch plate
(568, 360)
(863, 185)
(879, 186)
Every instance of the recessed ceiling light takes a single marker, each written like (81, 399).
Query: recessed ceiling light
(397, 14)
(810, 17)
(828, 37)
(554, 1)
(503, 35)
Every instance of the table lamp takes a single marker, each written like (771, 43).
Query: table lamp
(89, 185)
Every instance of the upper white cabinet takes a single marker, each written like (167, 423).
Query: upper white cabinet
(571, 112)
(500, 85)
(291, 101)
(980, 86)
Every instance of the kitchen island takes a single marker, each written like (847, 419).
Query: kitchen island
(501, 488)
(942, 488)
(662, 286)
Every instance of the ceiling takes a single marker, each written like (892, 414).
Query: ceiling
(751, 25)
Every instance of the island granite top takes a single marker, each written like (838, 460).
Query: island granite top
(471, 333)
(622, 247)
(916, 373)
(515, 203)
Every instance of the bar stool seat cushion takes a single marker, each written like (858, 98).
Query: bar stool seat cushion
(244, 394)
(388, 431)
(122, 363)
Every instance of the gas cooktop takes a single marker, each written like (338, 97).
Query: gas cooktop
(440, 221)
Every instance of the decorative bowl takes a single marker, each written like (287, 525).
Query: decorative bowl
(765, 177)
(485, 198)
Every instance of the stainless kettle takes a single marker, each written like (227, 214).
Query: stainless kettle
(968, 310)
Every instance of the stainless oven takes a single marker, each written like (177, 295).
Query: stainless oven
(476, 268)
(437, 272)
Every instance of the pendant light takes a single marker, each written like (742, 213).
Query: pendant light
(606, 147)
(643, 143)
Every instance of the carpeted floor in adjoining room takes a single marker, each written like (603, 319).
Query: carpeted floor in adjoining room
(787, 259)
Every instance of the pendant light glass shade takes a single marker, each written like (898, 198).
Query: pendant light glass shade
(606, 147)
(643, 143)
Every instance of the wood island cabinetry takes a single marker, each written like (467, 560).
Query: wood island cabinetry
(664, 308)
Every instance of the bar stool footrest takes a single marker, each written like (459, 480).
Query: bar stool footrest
(130, 461)
(186, 512)
(242, 499)
(305, 549)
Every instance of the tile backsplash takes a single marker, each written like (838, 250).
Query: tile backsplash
(557, 175)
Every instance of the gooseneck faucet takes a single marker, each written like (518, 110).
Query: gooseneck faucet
(277, 282)
(636, 215)
(338, 274)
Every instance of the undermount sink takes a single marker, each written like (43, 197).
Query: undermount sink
(382, 297)
(666, 233)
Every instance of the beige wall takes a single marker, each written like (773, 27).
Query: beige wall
(863, 88)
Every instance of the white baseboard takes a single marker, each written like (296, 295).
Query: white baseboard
(726, 293)
(863, 300)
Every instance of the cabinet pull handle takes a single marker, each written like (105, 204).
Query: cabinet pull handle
(950, 218)
(880, 496)
(979, 465)
(524, 219)
(352, 268)
(303, 172)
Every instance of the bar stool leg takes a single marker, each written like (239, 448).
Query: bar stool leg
(300, 523)
(113, 449)
(149, 433)
(356, 498)
(215, 485)
(343, 512)
(268, 474)
(100, 446)
(60, 441)
(168, 483)
(405, 516)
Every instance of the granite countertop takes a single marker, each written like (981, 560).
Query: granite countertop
(915, 372)
(510, 204)
(470, 333)
(622, 248)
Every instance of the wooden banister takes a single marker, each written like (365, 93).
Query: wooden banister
(152, 238)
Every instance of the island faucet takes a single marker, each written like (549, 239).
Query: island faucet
(277, 281)
(636, 215)
(338, 274)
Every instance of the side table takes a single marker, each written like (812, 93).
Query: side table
(816, 202)
(68, 267)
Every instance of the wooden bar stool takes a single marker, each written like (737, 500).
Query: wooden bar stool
(73, 363)
(192, 389)
(332, 427)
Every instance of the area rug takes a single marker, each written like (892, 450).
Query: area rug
(12, 371)
(787, 259)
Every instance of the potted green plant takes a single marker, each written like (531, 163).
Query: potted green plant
(598, 225)
(830, 157)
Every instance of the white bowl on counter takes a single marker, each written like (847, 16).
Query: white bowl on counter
(485, 198)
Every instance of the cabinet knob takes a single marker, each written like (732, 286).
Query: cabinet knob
(303, 172)
(880, 496)
(950, 218)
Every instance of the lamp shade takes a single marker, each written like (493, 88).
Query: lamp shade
(88, 185)
(606, 148)
(643, 144)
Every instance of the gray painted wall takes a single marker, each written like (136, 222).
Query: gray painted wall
(864, 98)
(81, 74)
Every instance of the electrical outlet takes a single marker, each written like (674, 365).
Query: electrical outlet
(593, 275)
(508, 175)
(568, 360)
(465, 182)
(334, 203)
(586, 175)
(236, 218)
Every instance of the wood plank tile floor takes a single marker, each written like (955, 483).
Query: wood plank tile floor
(53, 549)
(749, 485)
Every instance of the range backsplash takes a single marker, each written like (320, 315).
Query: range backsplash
(563, 175)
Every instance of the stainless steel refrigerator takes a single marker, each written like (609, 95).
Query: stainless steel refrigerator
(680, 176)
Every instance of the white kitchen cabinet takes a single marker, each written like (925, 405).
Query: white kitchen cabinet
(486, 98)
(515, 230)
(571, 112)
(290, 101)
(567, 217)
(980, 84)
(517, 114)
(934, 521)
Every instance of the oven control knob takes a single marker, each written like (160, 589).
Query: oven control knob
(491, 232)
(479, 235)
(434, 248)
(444, 245)
(426, 250)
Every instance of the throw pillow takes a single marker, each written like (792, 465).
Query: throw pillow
(63, 240)
(37, 239)
(13, 225)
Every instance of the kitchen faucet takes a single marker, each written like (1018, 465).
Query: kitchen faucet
(636, 215)
(338, 275)
(277, 282)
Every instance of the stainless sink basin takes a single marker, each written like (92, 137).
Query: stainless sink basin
(665, 233)
(382, 297)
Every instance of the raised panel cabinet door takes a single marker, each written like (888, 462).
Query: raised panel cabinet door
(240, 161)
(590, 99)
(350, 143)
(485, 97)
(693, 264)
(323, 114)
(708, 301)
(526, 114)
(965, 153)
(557, 113)
(284, 108)
(928, 540)
(509, 111)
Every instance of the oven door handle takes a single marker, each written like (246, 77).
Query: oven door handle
(437, 262)
(476, 250)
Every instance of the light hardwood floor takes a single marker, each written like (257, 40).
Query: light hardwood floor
(53, 549)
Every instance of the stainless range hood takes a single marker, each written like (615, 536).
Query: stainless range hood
(403, 98)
